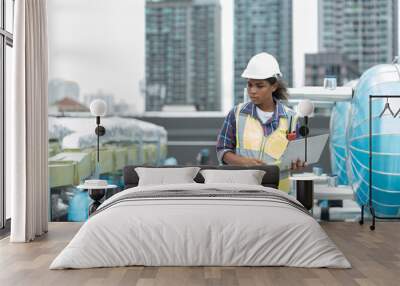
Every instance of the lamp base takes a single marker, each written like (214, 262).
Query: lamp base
(96, 195)
(305, 193)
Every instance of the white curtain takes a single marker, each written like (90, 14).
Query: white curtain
(28, 123)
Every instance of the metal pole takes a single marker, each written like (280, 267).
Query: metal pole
(370, 150)
(371, 208)
(98, 137)
(305, 139)
(98, 148)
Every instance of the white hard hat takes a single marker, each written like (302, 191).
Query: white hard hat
(262, 66)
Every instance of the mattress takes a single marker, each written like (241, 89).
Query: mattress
(201, 225)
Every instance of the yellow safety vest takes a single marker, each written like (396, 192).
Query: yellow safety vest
(251, 141)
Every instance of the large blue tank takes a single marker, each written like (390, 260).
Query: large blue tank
(378, 80)
(338, 141)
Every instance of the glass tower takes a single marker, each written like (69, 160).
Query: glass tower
(183, 54)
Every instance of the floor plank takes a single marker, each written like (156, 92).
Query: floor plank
(374, 255)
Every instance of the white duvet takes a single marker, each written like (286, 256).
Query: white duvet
(183, 231)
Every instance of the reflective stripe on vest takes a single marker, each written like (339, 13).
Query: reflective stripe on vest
(250, 138)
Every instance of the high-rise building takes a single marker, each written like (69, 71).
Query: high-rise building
(320, 65)
(262, 26)
(183, 54)
(364, 30)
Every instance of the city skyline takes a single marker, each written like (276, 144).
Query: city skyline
(90, 45)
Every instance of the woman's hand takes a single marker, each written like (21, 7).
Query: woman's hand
(297, 165)
(231, 158)
(247, 161)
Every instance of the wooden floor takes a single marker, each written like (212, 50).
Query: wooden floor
(375, 257)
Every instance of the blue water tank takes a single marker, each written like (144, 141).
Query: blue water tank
(338, 141)
(378, 80)
(79, 206)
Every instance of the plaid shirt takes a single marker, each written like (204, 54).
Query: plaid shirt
(226, 141)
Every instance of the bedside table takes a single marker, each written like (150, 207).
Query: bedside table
(96, 194)
(305, 188)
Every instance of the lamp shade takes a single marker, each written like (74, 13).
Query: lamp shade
(98, 107)
(305, 108)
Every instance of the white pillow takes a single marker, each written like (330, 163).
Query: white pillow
(249, 177)
(166, 176)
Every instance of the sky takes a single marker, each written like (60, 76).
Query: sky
(101, 45)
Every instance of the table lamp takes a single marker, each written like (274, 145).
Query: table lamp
(98, 108)
(305, 109)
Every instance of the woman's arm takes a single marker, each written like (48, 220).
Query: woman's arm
(231, 158)
(226, 140)
(226, 144)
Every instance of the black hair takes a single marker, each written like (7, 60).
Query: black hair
(281, 92)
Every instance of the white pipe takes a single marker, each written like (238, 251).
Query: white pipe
(319, 93)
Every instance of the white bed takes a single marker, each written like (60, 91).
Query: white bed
(245, 225)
